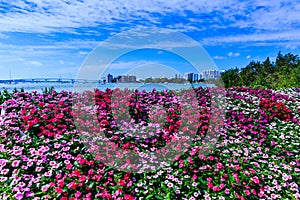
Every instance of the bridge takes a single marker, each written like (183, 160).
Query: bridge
(48, 80)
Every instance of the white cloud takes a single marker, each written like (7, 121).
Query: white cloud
(248, 57)
(219, 57)
(270, 15)
(83, 52)
(34, 63)
(53, 48)
(45, 16)
(231, 54)
(130, 65)
(67, 15)
(291, 46)
(270, 21)
(270, 38)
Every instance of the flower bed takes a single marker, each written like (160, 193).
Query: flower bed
(44, 153)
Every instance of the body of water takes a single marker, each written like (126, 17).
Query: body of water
(81, 87)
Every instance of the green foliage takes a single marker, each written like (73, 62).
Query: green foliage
(164, 80)
(231, 78)
(5, 94)
(284, 73)
(46, 90)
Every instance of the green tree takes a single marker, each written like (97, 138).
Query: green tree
(231, 78)
(250, 73)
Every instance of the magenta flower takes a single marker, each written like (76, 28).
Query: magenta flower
(15, 163)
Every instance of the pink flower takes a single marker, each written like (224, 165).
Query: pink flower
(72, 185)
(19, 196)
(4, 171)
(209, 185)
(211, 158)
(190, 160)
(261, 194)
(216, 189)
(219, 165)
(227, 191)
(237, 167)
(255, 180)
(45, 188)
(194, 177)
(110, 172)
(60, 115)
(247, 192)
(58, 190)
(15, 163)
(78, 194)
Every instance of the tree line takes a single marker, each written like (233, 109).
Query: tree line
(283, 73)
(164, 80)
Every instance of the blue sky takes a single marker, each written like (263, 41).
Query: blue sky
(52, 38)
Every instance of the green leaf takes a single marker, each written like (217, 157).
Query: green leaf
(91, 185)
(149, 196)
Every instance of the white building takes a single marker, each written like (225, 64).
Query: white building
(211, 74)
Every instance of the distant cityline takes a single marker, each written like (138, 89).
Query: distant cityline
(189, 76)
(109, 78)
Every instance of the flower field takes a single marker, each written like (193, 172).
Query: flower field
(55, 145)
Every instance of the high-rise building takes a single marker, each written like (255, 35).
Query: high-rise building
(196, 77)
(200, 76)
(126, 79)
(185, 76)
(190, 76)
(109, 78)
(211, 74)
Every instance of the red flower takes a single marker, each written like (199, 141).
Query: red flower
(126, 177)
(128, 197)
(121, 182)
(60, 115)
(72, 185)
(82, 179)
(69, 166)
(210, 185)
(81, 161)
(76, 173)
(58, 190)
(61, 183)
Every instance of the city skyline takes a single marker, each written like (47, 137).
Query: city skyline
(124, 78)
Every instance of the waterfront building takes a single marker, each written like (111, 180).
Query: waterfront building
(126, 79)
(211, 74)
(109, 78)
(196, 77)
